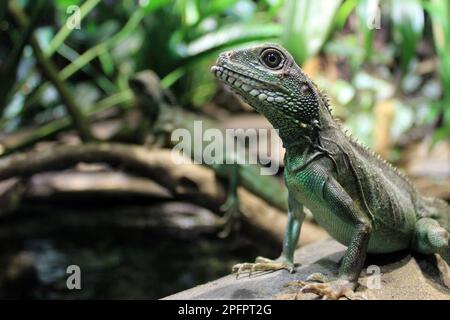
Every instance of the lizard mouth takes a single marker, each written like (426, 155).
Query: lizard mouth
(248, 87)
(237, 80)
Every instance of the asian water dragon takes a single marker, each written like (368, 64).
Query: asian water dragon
(361, 200)
(163, 115)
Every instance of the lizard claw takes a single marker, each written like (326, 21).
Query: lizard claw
(263, 264)
(329, 290)
(317, 277)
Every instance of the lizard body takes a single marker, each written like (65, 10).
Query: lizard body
(361, 200)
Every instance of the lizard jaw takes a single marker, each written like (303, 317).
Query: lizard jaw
(246, 87)
(235, 79)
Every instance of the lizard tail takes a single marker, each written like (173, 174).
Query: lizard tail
(437, 209)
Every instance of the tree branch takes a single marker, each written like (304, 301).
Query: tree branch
(190, 182)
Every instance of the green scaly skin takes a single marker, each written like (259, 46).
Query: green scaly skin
(361, 200)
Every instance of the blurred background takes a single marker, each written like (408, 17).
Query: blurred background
(91, 91)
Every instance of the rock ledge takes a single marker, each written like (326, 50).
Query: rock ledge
(402, 277)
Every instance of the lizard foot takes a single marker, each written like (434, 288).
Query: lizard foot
(328, 289)
(263, 264)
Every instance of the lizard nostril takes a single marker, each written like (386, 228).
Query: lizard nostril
(226, 55)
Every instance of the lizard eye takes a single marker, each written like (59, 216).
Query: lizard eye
(272, 58)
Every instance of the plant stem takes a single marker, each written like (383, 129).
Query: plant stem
(49, 130)
(51, 73)
(84, 59)
(8, 70)
(65, 31)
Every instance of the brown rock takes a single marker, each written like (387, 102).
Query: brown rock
(402, 277)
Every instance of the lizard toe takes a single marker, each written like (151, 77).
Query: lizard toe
(262, 266)
(331, 290)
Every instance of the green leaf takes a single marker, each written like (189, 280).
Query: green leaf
(216, 7)
(65, 31)
(65, 3)
(226, 36)
(106, 62)
(439, 11)
(190, 11)
(151, 5)
(408, 21)
(306, 25)
(344, 12)
(369, 18)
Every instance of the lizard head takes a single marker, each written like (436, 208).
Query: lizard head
(268, 78)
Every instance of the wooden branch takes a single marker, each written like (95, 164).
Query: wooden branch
(106, 184)
(190, 182)
(187, 181)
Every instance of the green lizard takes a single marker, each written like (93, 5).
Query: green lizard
(361, 200)
(164, 116)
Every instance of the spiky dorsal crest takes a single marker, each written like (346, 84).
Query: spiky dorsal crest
(326, 100)
(376, 156)
(323, 96)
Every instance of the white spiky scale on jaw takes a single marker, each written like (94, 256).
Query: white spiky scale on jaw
(262, 97)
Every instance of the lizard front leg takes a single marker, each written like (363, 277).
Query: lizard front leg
(296, 216)
(342, 205)
(230, 208)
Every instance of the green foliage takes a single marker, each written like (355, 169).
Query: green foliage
(150, 6)
(306, 25)
(344, 12)
(65, 31)
(180, 39)
(408, 21)
(368, 21)
(439, 11)
(192, 34)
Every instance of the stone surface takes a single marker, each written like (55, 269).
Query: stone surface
(402, 277)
